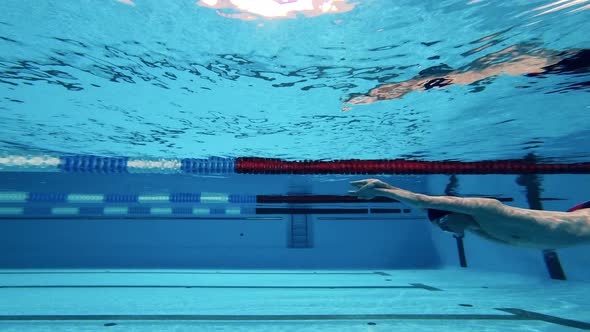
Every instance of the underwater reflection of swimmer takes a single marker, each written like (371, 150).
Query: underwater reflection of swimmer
(490, 219)
(515, 60)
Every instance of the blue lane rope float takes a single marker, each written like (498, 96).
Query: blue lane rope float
(93, 164)
(212, 165)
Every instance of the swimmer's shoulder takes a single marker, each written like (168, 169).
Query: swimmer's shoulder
(581, 212)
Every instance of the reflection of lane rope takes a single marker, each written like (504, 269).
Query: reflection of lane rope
(217, 165)
(125, 211)
(185, 211)
(52, 197)
(182, 205)
(195, 204)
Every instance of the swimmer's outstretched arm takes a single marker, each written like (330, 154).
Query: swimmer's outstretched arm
(370, 188)
(573, 226)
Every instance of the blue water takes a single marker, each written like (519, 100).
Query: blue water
(178, 80)
(149, 79)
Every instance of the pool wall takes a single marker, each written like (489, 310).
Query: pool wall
(335, 240)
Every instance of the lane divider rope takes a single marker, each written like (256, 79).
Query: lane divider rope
(251, 165)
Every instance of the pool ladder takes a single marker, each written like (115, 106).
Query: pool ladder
(299, 232)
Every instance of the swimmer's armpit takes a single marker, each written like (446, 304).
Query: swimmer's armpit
(360, 99)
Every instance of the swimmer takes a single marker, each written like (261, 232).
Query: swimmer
(491, 219)
(521, 59)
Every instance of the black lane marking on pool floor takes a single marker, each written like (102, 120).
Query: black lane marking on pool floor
(514, 314)
(531, 315)
(430, 288)
(412, 286)
(191, 273)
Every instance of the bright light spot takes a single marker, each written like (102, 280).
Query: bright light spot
(254, 9)
(580, 9)
(551, 4)
(561, 5)
(127, 2)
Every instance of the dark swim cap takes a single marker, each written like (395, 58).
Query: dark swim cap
(434, 214)
(585, 205)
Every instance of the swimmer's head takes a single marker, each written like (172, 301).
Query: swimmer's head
(434, 214)
(455, 223)
(581, 206)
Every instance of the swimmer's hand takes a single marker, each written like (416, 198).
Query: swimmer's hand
(369, 188)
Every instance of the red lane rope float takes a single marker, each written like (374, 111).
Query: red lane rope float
(254, 165)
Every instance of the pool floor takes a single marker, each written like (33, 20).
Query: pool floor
(294, 300)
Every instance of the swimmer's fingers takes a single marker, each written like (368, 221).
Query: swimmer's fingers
(369, 183)
(359, 183)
